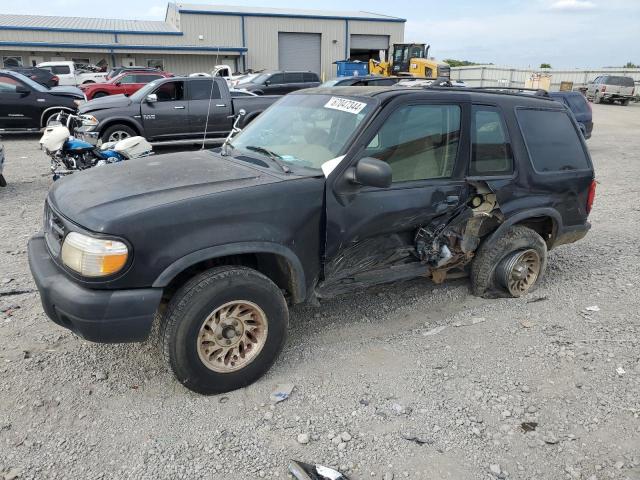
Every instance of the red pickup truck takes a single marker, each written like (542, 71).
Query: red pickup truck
(126, 82)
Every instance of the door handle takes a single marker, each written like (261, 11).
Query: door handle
(181, 107)
(220, 105)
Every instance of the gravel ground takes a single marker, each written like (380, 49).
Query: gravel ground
(404, 381)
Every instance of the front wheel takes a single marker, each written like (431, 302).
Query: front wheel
(118, 132)
(100, 95)
(510, 265)
(224, 329)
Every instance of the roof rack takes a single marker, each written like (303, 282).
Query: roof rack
(445, 84)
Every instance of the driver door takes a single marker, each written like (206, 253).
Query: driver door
(168, 117)
(370, 231)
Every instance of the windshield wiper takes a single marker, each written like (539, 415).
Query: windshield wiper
(277, 159)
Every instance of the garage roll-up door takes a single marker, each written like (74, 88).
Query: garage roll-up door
(369, 42)
(299, 51)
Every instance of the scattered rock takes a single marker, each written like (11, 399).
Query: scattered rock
(100, 375)
(303, 438)
(495, 469)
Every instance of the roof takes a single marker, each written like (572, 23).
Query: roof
(284, 12)
(82, 24)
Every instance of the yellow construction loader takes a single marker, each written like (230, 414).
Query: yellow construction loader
(411, 60)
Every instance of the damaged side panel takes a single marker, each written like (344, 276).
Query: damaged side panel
(446, 241)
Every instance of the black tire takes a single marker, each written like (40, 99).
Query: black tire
(3, 182)
(484, 281)
(114, 129)
(47, 118)
(625, 102)
(188, 311)
(99, 95)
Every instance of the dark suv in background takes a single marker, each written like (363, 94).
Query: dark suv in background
(579, 106)
(280, 83)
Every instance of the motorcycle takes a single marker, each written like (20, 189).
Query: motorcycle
(69, 154)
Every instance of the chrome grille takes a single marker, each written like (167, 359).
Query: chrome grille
(54, 230)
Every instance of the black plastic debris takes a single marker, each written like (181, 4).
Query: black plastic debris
(306, 471)
(528, 426)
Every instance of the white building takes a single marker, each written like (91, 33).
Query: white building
(194, 38)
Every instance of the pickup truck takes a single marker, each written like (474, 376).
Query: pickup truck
(169, 110)
(611, 88)
(68, 73)
(328, 191)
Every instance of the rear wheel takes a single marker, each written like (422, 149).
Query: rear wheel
(117, 132)
(624, 102)
(100, 94)
(510, 265)
(224, 329)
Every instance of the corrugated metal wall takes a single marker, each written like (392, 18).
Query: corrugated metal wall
(493, 76)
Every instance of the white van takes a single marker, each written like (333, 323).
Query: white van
(69, 74)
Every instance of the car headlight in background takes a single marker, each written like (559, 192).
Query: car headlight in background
(93, 257)
(89, 120)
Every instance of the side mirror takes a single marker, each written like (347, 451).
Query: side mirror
(267, 83)
(371, 172)
(151, 98)
(242, 112)
(22, 90)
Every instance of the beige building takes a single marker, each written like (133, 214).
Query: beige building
(194, 38)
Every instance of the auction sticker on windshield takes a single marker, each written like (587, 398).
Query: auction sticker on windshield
(345, 105)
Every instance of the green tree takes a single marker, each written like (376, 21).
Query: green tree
(460, 63)
(545, 65)
(631, 65)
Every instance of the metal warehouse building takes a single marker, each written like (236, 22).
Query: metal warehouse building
(194, 38)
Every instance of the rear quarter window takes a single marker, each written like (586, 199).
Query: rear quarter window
(310, 77)
(60, 69)
(552, 141)
(578, 103)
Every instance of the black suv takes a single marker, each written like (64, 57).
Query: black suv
(328, 191)
(280, 83)
(27, 105)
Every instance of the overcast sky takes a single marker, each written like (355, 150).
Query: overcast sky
(564, 33)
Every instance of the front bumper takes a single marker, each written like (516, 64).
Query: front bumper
(106, 316)
(89, 137)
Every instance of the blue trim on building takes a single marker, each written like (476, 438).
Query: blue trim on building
(120, 46)
(85, 30)
(293, 15)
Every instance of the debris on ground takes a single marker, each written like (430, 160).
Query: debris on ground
(306, 471)
(434, 331)
(282, 392)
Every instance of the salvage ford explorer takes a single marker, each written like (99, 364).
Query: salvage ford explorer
(326, 192)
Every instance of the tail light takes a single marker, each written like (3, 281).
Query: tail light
(604, 88)
(591, 196)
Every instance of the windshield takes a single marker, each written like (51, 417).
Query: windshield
(34, 85)
(146, 90)
(260, 78)
(304, 130)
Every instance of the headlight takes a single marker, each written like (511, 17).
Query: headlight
(93, 257)
(89, 120)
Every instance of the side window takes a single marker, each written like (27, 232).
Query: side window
(201, 89)
(293, 77)
(310, 77)
(276, 79)
(554, 144)
(490, 147)
(8, 85)
(128, 79)
(578, 103)
(61, 70)
(170, 92)
(419, 142)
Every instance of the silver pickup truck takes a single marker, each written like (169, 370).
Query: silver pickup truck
(611, 88)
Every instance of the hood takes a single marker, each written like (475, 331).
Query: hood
(100, 197)
(110, 101)
(66, 91)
